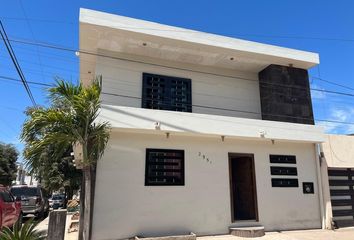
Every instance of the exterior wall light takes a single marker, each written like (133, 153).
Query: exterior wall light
(157, 125)
(262, 133)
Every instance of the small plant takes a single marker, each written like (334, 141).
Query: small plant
(25, 232)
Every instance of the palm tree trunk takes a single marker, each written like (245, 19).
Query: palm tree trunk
(93, 189)
(85, 201)
(82, 207)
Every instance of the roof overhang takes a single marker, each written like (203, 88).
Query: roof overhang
(140, 120)
(118, 34)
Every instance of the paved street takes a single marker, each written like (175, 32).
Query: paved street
(342, 234)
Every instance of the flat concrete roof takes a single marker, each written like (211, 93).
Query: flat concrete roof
(124, 35)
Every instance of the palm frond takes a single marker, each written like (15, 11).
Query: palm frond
(99, 136)
(25, 232)
(48, 132)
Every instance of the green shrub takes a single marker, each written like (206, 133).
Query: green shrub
(25, 232)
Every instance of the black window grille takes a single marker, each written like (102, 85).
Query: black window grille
(164, 167)
(166, 93)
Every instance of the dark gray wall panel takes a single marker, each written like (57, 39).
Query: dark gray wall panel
(285, 94)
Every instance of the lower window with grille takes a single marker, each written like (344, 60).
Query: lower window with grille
(164, 167)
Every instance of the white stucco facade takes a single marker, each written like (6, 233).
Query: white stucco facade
(225, 118)
(228, 93)
(125, 207)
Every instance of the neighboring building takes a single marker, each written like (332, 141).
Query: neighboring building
(23, 177)
(338, 179)
(208, 131)
(20, 175)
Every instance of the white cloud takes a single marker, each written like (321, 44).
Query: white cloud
(317, 94)
(339, 115)
(329, 127)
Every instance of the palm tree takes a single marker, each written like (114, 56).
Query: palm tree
(71, 120)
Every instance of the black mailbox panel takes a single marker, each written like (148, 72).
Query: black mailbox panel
(307, 188)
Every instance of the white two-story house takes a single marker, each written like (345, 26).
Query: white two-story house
(208, 132)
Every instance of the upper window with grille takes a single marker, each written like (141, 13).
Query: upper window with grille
(164, 167)
(166, 93)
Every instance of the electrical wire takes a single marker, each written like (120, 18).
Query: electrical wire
(34, 38)
(123, 59)
(333, 83)
(29, 82)
(14, 60)
(177, 68)
(35, 20)
(192, 105)
(263, 84)
(283, 85)
(194, 31)
(222, 75)
(65, 59)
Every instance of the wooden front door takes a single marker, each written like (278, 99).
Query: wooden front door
(243, 187)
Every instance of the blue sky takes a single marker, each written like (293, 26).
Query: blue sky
(325, 27)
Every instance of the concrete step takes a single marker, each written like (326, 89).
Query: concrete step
(248, 232)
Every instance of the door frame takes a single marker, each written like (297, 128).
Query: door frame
(251, 155)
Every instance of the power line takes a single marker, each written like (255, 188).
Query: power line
(284, 85)
(195, 93)
(264, 83)
(231, 110)
(51, 74)
(193, 105)
(34, 38)
(47, 66)
(300, 37)
(29, 82)
(333, 83)
(193, 31)
(35, 20)
(159, 65)
(14, 60)
(101, 55)
(41, 44)
(178, 68)
(241, 78)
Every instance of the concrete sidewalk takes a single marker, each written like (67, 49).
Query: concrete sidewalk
(341, 234)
